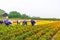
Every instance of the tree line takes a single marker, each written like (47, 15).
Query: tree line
(15, 14)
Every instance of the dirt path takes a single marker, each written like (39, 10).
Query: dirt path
(52, 38)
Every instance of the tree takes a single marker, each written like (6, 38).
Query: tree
(35, 18)
(1, 13)
(24, 16)
(14, 14)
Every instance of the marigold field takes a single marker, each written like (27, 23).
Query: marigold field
(43, 30)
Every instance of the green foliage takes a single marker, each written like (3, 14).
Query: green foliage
(14, 14)
(1, 12)
(38, 32)
(35, 17)
(24, 16)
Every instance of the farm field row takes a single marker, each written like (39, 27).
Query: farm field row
(50, 31)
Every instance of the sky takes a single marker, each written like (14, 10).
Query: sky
(38, 8)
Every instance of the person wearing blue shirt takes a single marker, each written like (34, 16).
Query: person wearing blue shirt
(1, 21)
(33, 22)
(24, 22)
(7, 22)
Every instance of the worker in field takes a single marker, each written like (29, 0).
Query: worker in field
(18, 21)
(24, 22)
(33, 22)
(1, 21)
(7, 22)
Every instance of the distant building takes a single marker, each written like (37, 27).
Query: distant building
(5, 15)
